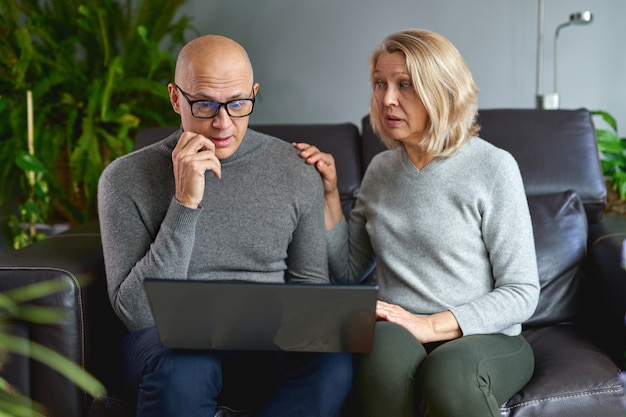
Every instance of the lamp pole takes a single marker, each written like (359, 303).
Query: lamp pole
(580, 18)
(550, 101)
(539, 96)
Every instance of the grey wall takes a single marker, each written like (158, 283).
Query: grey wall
(311, 57)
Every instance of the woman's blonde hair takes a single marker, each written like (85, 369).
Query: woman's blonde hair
(444, 84)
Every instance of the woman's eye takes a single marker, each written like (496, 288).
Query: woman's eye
(405, 84)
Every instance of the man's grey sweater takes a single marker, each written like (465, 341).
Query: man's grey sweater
(454, 236)
(262, 221)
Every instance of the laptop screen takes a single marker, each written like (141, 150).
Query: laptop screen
(252, 316)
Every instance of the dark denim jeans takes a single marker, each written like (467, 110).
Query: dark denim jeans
(166, 382)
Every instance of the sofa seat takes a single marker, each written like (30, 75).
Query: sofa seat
(573, 377)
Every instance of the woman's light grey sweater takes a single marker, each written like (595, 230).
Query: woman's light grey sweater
(454, 236)
(262, 221)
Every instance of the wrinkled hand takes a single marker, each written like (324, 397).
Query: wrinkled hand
(433, 328)
(416, 325)
(193, 155)
(324, 163)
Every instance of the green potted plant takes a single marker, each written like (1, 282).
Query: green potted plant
(612, 150)
(97, 70)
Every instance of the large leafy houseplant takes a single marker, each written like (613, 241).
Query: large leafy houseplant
(612, 150)
(97, 70)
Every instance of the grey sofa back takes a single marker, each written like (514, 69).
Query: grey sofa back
(555, 149)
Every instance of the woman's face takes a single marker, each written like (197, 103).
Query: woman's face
(402, 115)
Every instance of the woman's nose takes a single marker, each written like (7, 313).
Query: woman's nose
(390, 97)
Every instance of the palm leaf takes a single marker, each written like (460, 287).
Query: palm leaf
(54, 360)
(14, 404)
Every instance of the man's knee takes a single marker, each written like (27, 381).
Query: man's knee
(338, 370)
(335, 382)
(182, 369)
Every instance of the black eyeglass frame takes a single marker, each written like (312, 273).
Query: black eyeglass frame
(219, 103)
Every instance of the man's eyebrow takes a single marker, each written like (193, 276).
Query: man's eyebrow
(238, 96)
(206, 97)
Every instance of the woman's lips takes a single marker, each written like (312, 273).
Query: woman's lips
(393, 121)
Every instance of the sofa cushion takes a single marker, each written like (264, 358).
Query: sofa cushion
(560, 230)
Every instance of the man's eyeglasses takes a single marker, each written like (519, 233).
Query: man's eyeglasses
(207, 109)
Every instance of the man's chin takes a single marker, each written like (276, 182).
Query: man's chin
(225, 148)
(223, 153)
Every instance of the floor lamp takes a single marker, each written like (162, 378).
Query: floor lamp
(550, 101)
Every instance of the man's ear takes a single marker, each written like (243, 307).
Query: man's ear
(255, 89)
(174, 97)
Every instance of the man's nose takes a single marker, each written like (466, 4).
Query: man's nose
(222, 120)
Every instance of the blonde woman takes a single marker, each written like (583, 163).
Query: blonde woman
(443, 215)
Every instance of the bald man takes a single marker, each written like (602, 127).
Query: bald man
(216, 200)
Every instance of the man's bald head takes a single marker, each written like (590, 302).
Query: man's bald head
(215, 69)
(210, 52)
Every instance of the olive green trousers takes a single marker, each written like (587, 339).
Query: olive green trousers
(466, 377)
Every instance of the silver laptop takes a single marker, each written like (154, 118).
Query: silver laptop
(250, 316)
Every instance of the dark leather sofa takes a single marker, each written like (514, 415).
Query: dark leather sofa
(577, 331)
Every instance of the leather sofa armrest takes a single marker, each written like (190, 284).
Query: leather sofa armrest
(607, 280)
(75, 257)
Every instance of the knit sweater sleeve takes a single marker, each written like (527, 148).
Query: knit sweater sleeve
(508, 236)
(135, 249)
(307, 260)
(350, 254)
(350, 259)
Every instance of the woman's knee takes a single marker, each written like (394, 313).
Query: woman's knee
(472, 375)
(395, 354)
(385, 378)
